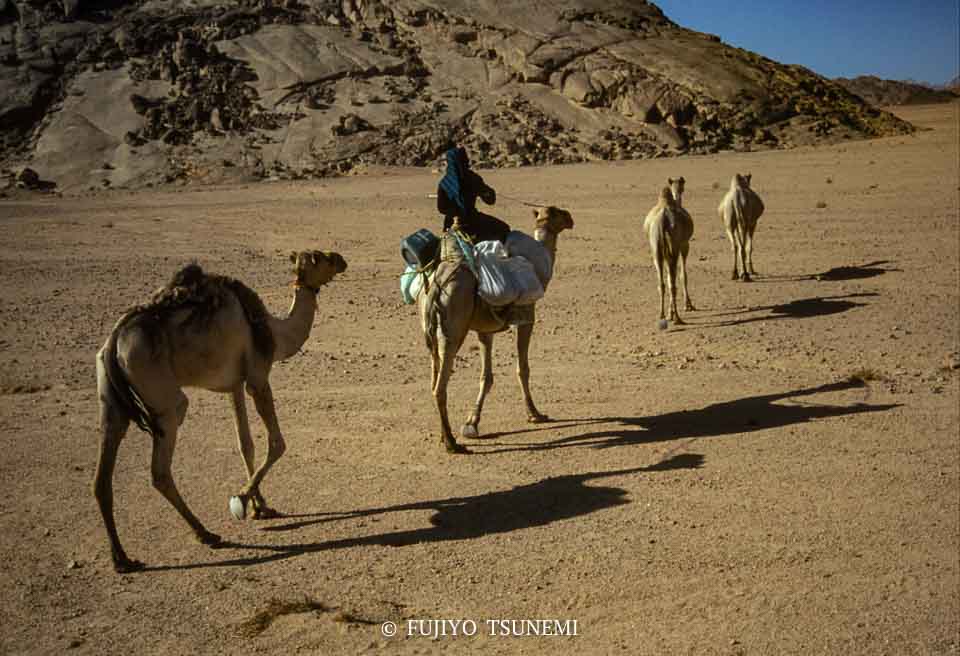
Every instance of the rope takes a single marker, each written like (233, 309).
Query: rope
(499, 195)
(522, 202)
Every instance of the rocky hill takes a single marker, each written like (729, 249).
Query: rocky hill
(886, 93)
(127, 93)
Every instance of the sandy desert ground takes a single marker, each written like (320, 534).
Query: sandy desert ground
(717, 488)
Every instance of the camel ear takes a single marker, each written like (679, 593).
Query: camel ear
(670, 180)
(681, 180)
(748, 176)
(293, 257)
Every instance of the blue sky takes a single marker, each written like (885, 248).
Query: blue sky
(895, 39)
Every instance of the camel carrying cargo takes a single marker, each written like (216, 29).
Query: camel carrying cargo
(514, 273)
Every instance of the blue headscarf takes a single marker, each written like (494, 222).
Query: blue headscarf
(456, 176)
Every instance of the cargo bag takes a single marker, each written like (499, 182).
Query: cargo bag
(503, 280)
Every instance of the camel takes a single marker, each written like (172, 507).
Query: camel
(676, 188)
(450, 308)
(205, 331)
(740, 210)
(669, 228)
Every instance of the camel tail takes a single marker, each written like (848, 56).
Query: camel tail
(739, 203)
(664, 244)
(124, 396)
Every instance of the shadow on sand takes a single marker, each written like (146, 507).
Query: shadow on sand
(462, 518)
(729, 417)
(858, 272)
(805, 308)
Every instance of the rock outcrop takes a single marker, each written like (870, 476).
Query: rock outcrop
(132, 93)
(887, 93)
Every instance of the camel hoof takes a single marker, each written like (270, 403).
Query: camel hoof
(127, 566)
(470, 431)
(457, 448)
(266, 512)
(746, 278)
(679, 322)
(208, 538)
(690, 308)
(538, 419)
(238, 507)
(736, 276)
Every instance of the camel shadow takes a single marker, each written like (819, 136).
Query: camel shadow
(805, 308)
(464, 518)
(858, 272)
(725, 418)
(869, 270)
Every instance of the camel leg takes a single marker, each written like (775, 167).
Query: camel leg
(742, 249)
(263, 398)
(735, 248)
(434, 368)
(163, 448)
(524, 334)
(672, 269)
(684, 251)
(113, 426)
(446, 355)
(248, 451)
(660, 285)
(750, 253)
(486, 382)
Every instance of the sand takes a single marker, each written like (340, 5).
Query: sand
(722, 487)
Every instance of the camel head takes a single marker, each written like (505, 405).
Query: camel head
(667, 198)
(742, 181)
(676, 187)
(553, 219)
(316, 268)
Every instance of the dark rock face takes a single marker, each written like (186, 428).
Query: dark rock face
(886, 93)
(325, 87)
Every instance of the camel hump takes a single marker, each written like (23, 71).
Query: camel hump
(189, 276)
(205, 295)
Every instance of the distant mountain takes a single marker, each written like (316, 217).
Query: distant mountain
(885, 93)
(133, 92)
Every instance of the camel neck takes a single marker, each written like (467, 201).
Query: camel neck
(290, 333)
(548, 239)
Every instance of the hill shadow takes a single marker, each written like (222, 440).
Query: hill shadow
(745, 415)
(463, 518)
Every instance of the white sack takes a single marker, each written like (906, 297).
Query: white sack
(504, 280)
(522, 244)
(410, 284)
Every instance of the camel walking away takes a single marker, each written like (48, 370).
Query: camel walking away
(669, 228)
(740, 210)
(205, 331)
(450, 308)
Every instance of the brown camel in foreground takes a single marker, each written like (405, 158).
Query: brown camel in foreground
(450, 308)
(201, 331)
